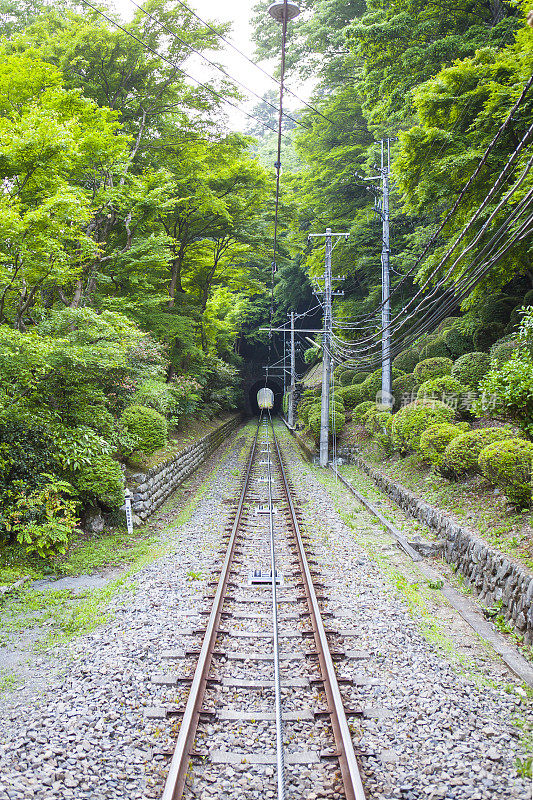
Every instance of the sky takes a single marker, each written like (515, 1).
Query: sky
(239, 13)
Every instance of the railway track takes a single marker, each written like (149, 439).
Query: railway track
(265, 693)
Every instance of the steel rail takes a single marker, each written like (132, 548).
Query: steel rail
(402, 541)
(179, 765)
(275, 640)
(353, 786)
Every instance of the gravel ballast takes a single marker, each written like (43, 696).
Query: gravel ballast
(429, 730)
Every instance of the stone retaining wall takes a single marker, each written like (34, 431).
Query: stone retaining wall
(493, 576)
(151, 489)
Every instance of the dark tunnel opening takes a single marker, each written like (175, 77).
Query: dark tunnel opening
(276, 387)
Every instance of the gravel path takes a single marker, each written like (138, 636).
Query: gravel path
(428, 732)
(86, 736)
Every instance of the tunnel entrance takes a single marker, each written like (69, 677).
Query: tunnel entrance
(276, 387)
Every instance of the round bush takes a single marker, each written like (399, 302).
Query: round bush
(457, 341)
(407, 359)
(360, 410)
(102, 480)
(147, 425)
(471, 368)
(445, 388)
(359, 377)
(507, 465)
(436, 438)
(462, 454)
(350, 395)
(432, 368)
(447, 323)
(435, 347)
(404, 390)
(486, 335)
(414, 418)
(155, 394)
(347, 377)
(502, 350)
(337, 421)
(372, 385)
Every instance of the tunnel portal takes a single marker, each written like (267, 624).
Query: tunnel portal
(271, 383)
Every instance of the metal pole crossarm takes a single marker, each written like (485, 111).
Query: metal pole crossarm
(316, 235)
(296, 330)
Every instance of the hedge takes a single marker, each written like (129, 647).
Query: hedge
(502, 350)
(434, 347)
(407, 359)
(350, 395)
(507, 464)
(359, 377)
(404, 390)
(372, 385)
(442, 388)
(462, 454)
(337, 419)
(360, 410)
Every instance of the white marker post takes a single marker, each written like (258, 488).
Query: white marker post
(129, 517)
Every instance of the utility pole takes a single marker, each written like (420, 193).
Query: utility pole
(326, 347)
(293, 375)
(386, 368)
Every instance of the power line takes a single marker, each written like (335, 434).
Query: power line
(213, 63)
(462, 194)
(251, 61)
(175, 66)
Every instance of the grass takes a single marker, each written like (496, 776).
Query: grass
(471, 502)
(53, 617)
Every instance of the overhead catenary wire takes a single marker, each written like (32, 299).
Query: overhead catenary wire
(442, 281)
(452, 292)
(176, 66)
(236, 81)
(251, 61)
(468, 184)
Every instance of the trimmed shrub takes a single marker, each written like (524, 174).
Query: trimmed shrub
(147, 425)
(447, 323)
(471, 368)
(407, 359)
(350, 395)
(486, 335)
(435, 440)
(462, 454)
(155, 394)
(432, 368)
(457, 341)
(337, 420)
(347, 377)
(447, 389)
(404, 389)
(102, 480)
(372, 385)
(359, 377)
(502, 350)
(360, 410)
(378, 424)
(414, 418)
(434, 347)
(507, 465)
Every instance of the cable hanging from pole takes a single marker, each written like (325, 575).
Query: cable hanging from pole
(282, 11)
